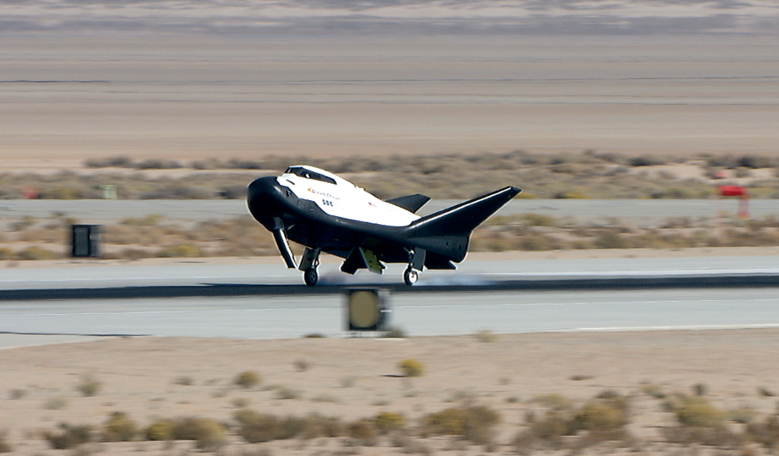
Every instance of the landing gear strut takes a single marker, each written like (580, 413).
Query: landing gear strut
(410, 276)
(308, 265)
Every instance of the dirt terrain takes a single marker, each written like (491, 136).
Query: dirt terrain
(517, 376)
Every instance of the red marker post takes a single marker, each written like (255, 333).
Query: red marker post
(741, 193)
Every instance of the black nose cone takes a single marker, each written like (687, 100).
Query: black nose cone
(263, 198)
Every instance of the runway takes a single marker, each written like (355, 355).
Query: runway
(639, 211)
(267, 301)
(419, 315)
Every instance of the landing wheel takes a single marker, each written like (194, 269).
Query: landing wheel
(410, 276)
(310, 276)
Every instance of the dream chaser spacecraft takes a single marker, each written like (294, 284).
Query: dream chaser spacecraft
(326, 213)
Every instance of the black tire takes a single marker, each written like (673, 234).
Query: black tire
(310, 276)
(410, 276)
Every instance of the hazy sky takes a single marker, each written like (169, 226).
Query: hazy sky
(345, 17)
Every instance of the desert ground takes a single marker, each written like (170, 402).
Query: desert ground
(518, 376)
(67, 99)
(197, 80)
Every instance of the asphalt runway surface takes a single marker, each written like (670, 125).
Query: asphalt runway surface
(269, 301)
(649, 211)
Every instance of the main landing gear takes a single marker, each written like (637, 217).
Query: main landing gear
(311, 276)
(416, 261)
(308, 265)
(410, 276)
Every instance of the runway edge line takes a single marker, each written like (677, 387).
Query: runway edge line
(535, 284)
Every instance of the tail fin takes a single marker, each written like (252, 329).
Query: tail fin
(411, 203)
(447, 232)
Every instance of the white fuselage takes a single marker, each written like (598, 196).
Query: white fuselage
(340, 198)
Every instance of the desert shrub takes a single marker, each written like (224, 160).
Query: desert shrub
(120, 428)
(239, 163)
(208, 433)
(16, 394)
(580, 377)
(743, 415)
(255, 427)
(364, 431)
(603, 419)
(709, 436)
(486, 336)
(549, 433)
(25, 222)
(285, 393)
(248, 379)
(321, 426)
(698, 412)
(181, 190)
(763, 391)
(69, 436)
(47, 234)
(237, 191)
(411, 368)
(553, 401)
(450, 421)
(89, 386)
(56, 403)
(602, 415)
(181, 251)
(474, 423)
(611, 240)
(395, 333)
(157, 163)
(118, 162)
(645, 160)
(36, 253)
(650, 389)
(61, 193)
(184, 381)
(609, 394)
(479, 424)
(569, 194)
(595, 437)
(148, 220)
(553, 426)
(5, 447)
(241, 402)
(532, 219)
(765, 433)
(161, 430)
(534, 243)
(754, 161)
(326, 398)
(388, 421)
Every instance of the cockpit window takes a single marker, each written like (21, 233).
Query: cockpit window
(308, 174)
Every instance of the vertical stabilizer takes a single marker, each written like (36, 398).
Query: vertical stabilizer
(447, 232)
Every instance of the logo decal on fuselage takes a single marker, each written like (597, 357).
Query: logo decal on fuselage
(324, 194)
